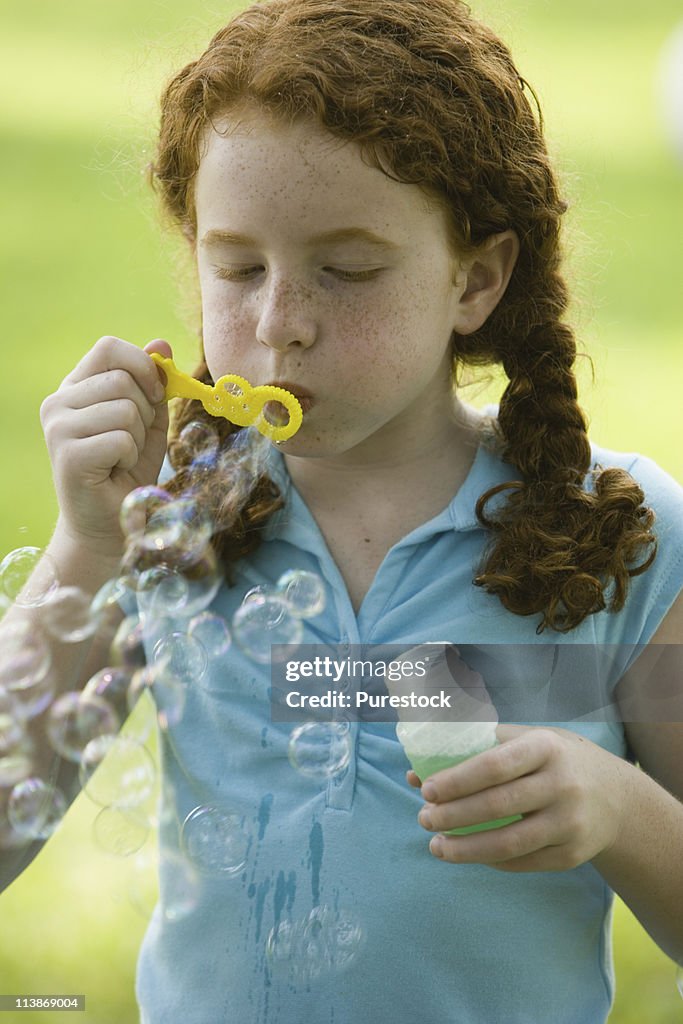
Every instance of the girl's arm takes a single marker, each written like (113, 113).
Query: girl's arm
(645, 864)
(582, 803)
(106, 434)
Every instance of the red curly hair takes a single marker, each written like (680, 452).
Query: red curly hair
(432, 98)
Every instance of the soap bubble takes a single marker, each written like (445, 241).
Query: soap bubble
(679, 979)
(25, 668)
(128, 646)
(35, 808)
(204, 579)
(141, 683)
(323, 941)
(178, 531)
(16, 569)
(13, 769)
(182, 655)
(212, 633)
(117, 771)
(11, 728)
(179, 886)
(120, 831)
(75, 719)
(320, 750)
(106, 604)
(215, 842)
(68, 616)
(303, 592)
(198, 438)
(138, 507)
(264, 590)
(167, 691)
(161, 591)
(111, 684)
(263, 621)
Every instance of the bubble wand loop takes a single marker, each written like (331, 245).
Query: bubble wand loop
(234, 398)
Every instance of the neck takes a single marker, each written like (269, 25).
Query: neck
(425, 466)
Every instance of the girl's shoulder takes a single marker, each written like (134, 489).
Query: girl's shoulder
(662, 492)
(653, 592)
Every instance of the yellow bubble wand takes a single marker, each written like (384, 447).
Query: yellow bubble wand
(234, 398)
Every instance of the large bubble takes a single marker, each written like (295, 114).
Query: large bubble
(212, 633)
(68, 615)
(117, 771)
(183, 655)
(161, 591)
(35, 808)
(303, 592)
(320, 750)
(28, 576)
(120, 831)
(215, 842)
(75, 719)
(262, 621)
(325, 940)
(25, 668)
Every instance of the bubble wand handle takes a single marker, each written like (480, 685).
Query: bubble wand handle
(234, 398)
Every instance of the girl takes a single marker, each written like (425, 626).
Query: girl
(366, 191)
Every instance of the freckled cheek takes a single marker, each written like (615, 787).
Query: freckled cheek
(226, 333)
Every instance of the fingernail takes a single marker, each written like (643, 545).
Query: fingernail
(158, 392)
(424, 819)
(436, 846)
(429, 791)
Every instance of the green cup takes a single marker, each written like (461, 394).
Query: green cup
(426, 766)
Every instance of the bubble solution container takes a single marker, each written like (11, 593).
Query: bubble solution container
(425, 764)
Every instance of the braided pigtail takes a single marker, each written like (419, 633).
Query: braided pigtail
(559, 549)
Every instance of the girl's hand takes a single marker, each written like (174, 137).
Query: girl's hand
(571, 792)
(105, 429)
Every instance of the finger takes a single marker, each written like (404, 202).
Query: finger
(102, 453)
(521, 796)
(164, 349)
(111, 353)
(500, 764)
(413, 779)
(120, 414)
(111, 385)
(495, 846)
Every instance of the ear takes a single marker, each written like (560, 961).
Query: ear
(483, 279)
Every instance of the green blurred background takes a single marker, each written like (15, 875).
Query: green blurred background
(81, 255)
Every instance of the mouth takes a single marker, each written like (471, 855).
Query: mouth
(303, 396)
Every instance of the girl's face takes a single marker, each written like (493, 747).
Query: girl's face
(320, 273)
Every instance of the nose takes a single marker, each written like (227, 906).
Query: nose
(286, 316)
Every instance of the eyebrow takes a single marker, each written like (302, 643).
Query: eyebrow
(219, 237)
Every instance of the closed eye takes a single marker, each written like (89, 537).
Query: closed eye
(236, 273)
(353, 275)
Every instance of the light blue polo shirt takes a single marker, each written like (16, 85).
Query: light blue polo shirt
(454, 944)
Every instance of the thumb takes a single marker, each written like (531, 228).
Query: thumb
(160, 346)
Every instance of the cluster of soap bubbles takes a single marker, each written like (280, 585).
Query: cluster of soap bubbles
(320, 750)
(168, 579)
(324, 941)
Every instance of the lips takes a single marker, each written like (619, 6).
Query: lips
(304, 396)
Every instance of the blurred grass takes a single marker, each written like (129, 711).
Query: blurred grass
(81, 255)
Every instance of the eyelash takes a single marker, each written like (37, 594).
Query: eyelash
(245, 273)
